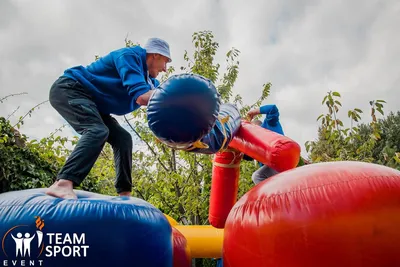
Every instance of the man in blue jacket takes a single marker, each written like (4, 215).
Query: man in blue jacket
(118, 83)
(271, 122)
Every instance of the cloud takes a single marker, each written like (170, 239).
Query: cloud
(304, 48)
(307, 49)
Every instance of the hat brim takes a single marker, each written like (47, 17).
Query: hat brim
(160, 53)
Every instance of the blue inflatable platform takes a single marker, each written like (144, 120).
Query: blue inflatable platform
(95, 230)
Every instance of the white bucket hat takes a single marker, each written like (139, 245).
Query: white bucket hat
(158, 46)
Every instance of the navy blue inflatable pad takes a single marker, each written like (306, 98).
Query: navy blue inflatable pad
(183, 109)
(222, 133)
(95, 230)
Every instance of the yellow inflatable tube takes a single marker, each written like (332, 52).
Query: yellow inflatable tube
(204, 241)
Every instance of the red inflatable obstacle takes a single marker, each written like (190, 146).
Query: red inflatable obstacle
(275, 150)
(181, 251)
(224, 185)
(326, 214)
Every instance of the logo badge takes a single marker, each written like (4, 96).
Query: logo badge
(30, 244)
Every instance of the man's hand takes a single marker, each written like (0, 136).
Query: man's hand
(253, 113)
(143, 100)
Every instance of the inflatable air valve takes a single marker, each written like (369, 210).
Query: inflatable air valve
(224, 185)
(275, 150)
(183, 109)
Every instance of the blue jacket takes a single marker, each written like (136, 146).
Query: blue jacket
(115, 80)
(271, 121)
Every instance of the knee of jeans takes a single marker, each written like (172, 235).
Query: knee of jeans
(101, 132)
(255, 178)
(126, 138)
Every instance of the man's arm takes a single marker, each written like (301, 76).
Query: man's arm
(253, 113)
(266, 109)
(143, 100)
(129, 68)
(262, 110)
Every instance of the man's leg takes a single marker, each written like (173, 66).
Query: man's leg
(262, 173)
(75, 105)
(121, 142)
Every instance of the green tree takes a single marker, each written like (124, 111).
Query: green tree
(385, 151)
(376, 141)
(27, 164)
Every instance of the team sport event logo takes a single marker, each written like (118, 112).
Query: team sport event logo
(31, 245)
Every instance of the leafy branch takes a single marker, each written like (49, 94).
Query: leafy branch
(29, 113)
(11, 95)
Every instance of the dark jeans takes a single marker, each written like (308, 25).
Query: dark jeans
(263, 173)
(75, 105)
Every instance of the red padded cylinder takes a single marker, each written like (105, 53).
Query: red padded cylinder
(272, 149)
(224, 186)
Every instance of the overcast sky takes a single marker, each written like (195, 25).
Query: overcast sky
(304, 48)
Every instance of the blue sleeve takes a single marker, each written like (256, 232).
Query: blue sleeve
(155, 81)
(272, 114)
(129, 69)
(268, 109)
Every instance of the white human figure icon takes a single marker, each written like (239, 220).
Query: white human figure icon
(18, 243)
(27, 244)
